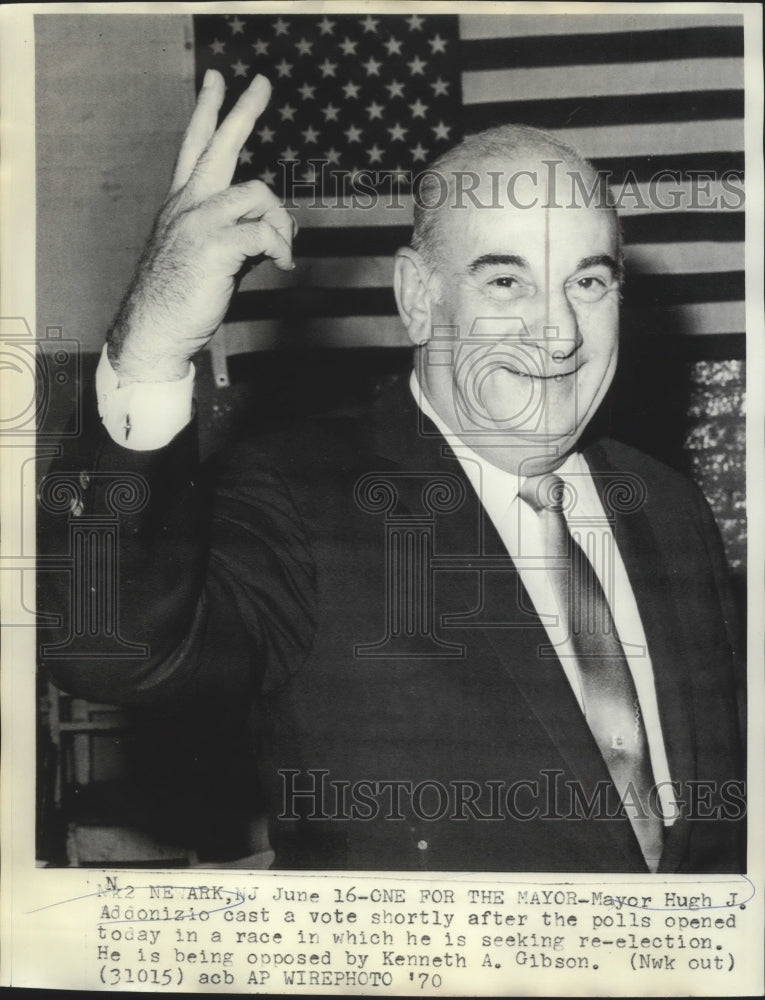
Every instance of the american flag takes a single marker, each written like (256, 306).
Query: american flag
(371, 99)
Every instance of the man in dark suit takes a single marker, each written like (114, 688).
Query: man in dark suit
(434, 676)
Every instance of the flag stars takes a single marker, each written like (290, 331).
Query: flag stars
(284, 68)
(375, 110)
(287, 113)
(239, 68)
(415, 22)
(307, 92)
(237, 25)
(418, 109)
(327, 68)
(348, 46)
(370, 24)
(441, 131)
(281, 27)
(288, 154)
(326, 27)
(268, 177)
(304, 47)
(261, 47)
(353, 134)
(217, 46)
(393, 45)
(375, 154)
(417, 66)
(331, 155)
(437, 44)
(245, 156)
(330, 112)
(310, 135)
(440, 87)
(395, 89)
(266, 134)
(419, 153)
(351, 90)
(372, 66)
(397, 133)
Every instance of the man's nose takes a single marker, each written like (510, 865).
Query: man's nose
(554, 326)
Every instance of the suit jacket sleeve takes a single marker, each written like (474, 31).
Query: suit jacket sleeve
(203, 596)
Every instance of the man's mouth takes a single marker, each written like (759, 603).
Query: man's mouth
(539, 376)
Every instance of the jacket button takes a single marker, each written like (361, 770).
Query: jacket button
(422, 845)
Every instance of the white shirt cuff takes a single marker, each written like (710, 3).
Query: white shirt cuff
(142, 416)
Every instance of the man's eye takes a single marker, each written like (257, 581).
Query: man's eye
(507, 287)
(588, 289)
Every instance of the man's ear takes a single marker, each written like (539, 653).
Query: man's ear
(410, 283)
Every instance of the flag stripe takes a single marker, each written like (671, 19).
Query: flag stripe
(476, 26)
(619, 80)
(593, 50)
(635, 109)
(688, 258)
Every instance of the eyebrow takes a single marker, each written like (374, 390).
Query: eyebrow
(599, 260)
(514, 260)
(497, 260)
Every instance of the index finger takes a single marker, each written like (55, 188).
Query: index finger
(215, 168)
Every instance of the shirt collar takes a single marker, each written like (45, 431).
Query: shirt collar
(496, 488)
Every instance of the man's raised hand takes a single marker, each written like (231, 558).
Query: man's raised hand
(203, 234)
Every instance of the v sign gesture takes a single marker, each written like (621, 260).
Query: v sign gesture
(204, 233)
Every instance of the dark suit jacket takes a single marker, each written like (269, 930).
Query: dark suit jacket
(350, 596)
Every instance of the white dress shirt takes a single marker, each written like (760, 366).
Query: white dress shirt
(144, 416)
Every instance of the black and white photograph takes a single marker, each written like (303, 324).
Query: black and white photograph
(389, 488)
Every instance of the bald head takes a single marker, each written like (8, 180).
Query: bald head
(518, 164)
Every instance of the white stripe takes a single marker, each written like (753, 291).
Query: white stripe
(346, 331)
(609, 80)
(474, 26)
(685, 258)
(324, 272)
(656, 140)
(710, 317)
(387, 210)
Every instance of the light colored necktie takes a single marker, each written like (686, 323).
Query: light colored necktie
(611, 704)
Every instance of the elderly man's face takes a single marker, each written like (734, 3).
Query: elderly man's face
(525, 324)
